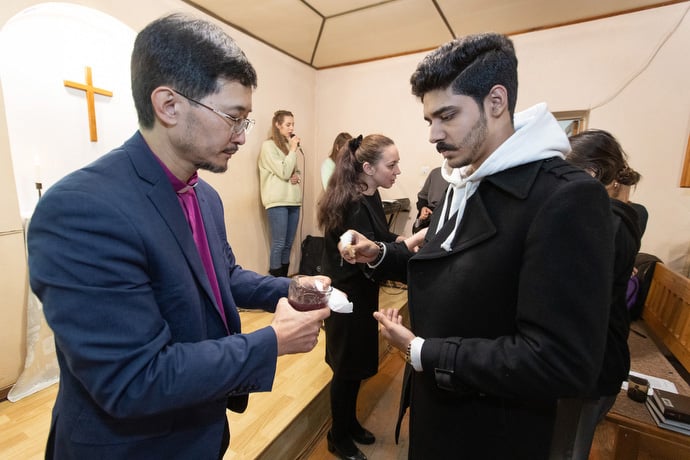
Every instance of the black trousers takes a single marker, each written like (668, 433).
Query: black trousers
(344, 406)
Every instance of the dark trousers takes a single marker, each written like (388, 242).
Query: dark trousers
(344, 406)
(225, 442)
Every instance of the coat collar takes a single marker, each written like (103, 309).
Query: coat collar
(143, 160)
(477, 225)
(517, 181)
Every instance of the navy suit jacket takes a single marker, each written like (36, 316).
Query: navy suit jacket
(146, 365)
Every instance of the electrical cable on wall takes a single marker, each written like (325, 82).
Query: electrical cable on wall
(646, 64)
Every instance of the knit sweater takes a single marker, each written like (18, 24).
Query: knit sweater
(275, 170)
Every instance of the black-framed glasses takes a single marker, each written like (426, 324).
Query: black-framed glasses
(237, 125)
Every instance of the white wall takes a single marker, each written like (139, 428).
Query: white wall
(375, 98)
(609, 66)
(578, 67)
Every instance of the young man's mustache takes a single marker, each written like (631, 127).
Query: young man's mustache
(442, 147)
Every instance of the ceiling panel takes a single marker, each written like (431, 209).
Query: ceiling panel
(388, 29)
(332, 7)
(289, 25)
(513, 16)
(361, 30)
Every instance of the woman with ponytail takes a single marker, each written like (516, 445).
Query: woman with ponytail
(599, 153)
(352, 201)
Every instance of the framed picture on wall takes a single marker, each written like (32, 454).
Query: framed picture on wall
(572, 121)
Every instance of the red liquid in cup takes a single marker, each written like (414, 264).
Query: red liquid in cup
(310, 304)
(305, 295)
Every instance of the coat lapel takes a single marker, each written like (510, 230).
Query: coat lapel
(477, 225)
(377, 216)
(165, 201)
(217, 248)
(170, 210)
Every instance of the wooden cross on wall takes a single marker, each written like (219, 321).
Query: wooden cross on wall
(90, 90)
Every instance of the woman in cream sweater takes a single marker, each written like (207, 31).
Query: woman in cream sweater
(281, 192)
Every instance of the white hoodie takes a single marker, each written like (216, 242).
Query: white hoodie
(537, 136)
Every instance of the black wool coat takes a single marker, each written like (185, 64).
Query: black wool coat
(616, 365)
(352, 338)
(514, 316)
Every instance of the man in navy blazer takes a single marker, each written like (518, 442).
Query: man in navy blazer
(130, 258)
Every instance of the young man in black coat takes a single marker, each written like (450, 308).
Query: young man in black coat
(509, 295)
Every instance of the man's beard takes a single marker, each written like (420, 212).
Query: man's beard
(471, 143)
(206, 166)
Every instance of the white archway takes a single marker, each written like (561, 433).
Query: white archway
(48, 124)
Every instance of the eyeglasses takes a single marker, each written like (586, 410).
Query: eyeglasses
(237, 125)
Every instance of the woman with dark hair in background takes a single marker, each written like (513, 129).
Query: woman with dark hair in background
(328, 164)
(352, 201)
(281, 194)
(600, 154)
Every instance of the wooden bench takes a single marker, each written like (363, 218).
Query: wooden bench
(667, 312)
(628, 432)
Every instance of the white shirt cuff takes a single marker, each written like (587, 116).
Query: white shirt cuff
(416, 353)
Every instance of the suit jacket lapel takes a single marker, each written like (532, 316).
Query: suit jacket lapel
(166, 202)
(217, 248)
(170, 210)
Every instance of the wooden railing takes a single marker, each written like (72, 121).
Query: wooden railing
(667, 312)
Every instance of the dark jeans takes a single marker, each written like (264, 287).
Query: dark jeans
(282, 222)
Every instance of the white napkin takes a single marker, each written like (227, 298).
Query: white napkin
(338, 302)
(346, 238)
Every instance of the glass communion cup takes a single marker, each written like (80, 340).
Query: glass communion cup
(308, 293)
